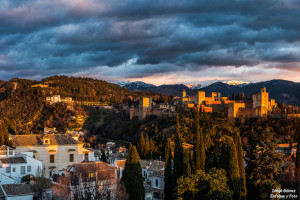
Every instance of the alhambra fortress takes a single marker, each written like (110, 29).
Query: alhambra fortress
(258, 106)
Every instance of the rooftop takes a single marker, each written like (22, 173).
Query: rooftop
(35, 140)
(91, 166)
(16, 189)
(12, 160)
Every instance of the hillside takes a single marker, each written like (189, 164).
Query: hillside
(22, 101)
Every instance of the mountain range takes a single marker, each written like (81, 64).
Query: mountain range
(283, 91)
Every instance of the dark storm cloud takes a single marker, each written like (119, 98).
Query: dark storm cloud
(41, 38)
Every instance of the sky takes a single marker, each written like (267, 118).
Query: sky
(159, 42)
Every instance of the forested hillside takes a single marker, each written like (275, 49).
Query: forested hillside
(22, 102)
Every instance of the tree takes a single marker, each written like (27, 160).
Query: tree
(210, 186)
(169, 186)
(199, 150)
(178, 155)
(240, 155)
(233, 169)
(147, 146)
(188, 168)
(132, 175)
(27, 132)
(103, 156)
(141, 145)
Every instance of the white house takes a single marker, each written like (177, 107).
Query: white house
(19, 191)
(15, 166)
(158, 184)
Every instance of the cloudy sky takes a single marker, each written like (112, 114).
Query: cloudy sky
(156, 41)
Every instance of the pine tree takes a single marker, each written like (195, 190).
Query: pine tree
(132, 175)
(169, 186)
(233, 169)
(103, 156)
(240, 155)
(141, 145)
(178, 155)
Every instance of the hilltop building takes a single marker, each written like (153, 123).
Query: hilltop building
(57, 99)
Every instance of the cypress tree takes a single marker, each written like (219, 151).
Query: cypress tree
(233, 169)
(103, 156)
(178, 155)
(297, 161)
(147, 146)
(132, 175)
(169, 187)
(199, 150)
(188, 168)
(141, 145)
(239, 151)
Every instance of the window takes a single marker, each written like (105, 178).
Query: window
(14, 169)
(46, 141)
(71, 157)
(91, 175)
(22, 169)
(51, 158)
(7, 169)
(33, 156)
(28, 168)
(156, 182)
(10, 152)
(86, 156)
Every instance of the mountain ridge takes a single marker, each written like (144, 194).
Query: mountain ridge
(284, 91)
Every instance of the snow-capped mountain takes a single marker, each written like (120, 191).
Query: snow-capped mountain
(234, 82)
(134, 86)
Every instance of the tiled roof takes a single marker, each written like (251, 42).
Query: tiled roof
(145, 163)
(91, 167)
(34, 140)
(17, 189)
(121, 163)
(4, 147)
(12, 160)
(157, 165)
(160, 173)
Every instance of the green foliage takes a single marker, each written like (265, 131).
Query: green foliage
(233, 169)
(199, 150)
(267, 188)
(179, 167)
(142, 145)
(210, 186)
(28, 178)
(132, 175)
(188, 168)
(240, 155)
(4, 135)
